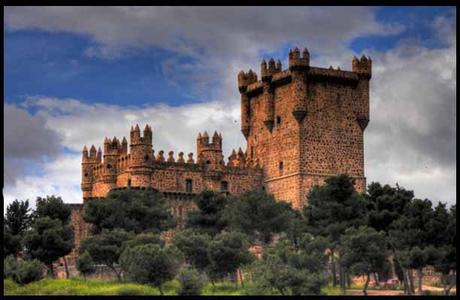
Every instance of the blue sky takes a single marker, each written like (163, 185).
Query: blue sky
(71, 68)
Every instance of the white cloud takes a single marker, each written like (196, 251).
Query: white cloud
(410, 138)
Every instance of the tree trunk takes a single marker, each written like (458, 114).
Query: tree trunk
(411, 281)
(366, 284)
(160, 288)
(377, 279)
(51, 270)
(241, 277)
(407, 289)
(349, 280)
(342, 279)
(66, 267)
(334, 271)
(116, 273)
(420, 280)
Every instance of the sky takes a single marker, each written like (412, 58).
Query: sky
(74, 75)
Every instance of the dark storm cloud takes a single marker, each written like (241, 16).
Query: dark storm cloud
(26, 139)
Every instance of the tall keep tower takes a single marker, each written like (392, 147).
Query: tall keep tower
(305, 123)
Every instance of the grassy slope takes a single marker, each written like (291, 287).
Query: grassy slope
(78, 286)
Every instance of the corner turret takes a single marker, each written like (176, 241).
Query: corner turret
(363, 67)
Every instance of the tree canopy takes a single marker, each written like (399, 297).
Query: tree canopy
(131, 210)
(208, 217)
(259, 215)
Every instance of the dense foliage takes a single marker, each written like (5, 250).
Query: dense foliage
(131, 210)
(208, 217)
(339, 234)
(191, 282)
(151, 264)
(259, 215)
(23, 271)
(85, 264)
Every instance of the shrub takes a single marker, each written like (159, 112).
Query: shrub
(85, 264)
(130, 291)
(191, 282)
(23, 271)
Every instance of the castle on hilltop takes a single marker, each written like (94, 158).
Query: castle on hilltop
(301, 125)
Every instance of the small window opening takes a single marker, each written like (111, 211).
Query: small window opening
(129, 182)
(224, 186)
(208, 162)
(281, 166)
(86, 174)
(146, 157)
(109, 166)
(188, 185)
(252, 151)
(278, 120)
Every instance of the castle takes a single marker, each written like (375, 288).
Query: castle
(301, 125)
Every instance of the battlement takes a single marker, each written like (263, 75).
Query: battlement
(363, 66)
(203, 143)
(137, 139)
(115, 147)
(267, 72)
(93, 155)
(296, 62)
(245, 79)
(276, 76)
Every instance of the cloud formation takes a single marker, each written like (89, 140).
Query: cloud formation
(410, 138)
(27, 140)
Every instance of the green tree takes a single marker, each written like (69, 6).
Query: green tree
(106, 248)
(15, 223)
(18, 217)
(208, 217)
(54, 208)
(143, 239)
(363, 251)
(411, 237)
(151, 264)
(85, 264)
(228, 251)
(290, 270)
(446, 262)
(195, 246)
(191, 282)
(48, 239)
(23, 271)
(11, 243)
(259, 215)
(131, 210)
(332, 208)
(386, 206)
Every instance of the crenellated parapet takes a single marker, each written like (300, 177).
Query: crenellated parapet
(297, 62)
(362, 67)
(298, 74)
(237, 159)
(209, 153)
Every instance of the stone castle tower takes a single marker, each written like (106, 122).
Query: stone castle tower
(305, 123)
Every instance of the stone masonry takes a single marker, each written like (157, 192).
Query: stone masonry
(301, 124)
